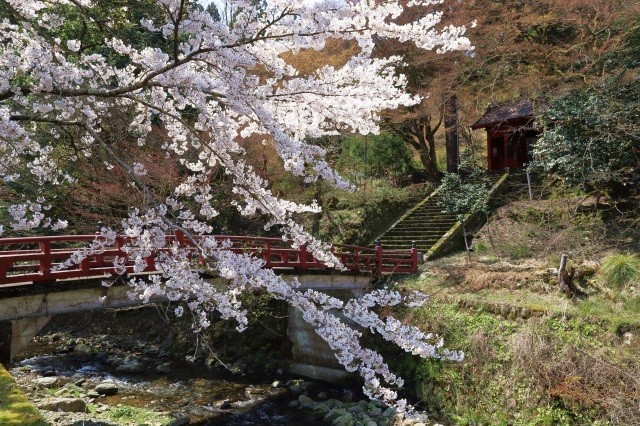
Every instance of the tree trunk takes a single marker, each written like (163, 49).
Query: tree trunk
(428, 160)
(420, 134)
(451, 133)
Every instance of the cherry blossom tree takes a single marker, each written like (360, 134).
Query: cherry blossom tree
(208, 83)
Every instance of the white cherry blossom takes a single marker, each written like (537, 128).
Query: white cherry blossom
(231, 77)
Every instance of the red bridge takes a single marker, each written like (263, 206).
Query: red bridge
(38, 259)
(29, 265)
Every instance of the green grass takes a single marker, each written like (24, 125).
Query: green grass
(518, 371)
(15, 409)
(481, 247)
(129, 414)
(493, 383)
(621, 270)
(518, 251)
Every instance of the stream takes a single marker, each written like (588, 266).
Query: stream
(113, 383)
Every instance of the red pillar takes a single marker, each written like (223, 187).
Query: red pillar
(490, 164)
(379, 254)
(414, 257)
(45, 260)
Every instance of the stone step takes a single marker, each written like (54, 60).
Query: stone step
(412, 238)
(422, 249)
(423, 225)
(409, 232)
(418, 240)
(442, 219)
(430, 214)
(407, 244)
(431, 219)
(415, 232)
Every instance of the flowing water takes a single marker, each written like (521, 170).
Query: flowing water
(203, 395)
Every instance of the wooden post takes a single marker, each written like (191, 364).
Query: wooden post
(466, 241)
(84, 264)
(98, 257)
(266, 254)
(490, 165)
(151, 263)
(529, 185)
(180, 237)
(378, 254)
(45, 259)
(302, 256)
(119, 244)
(565, 278)
(414, 256)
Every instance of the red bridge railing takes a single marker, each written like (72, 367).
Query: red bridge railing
(40, 259)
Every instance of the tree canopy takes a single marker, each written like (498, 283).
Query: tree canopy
(205, 82)
(592, 136)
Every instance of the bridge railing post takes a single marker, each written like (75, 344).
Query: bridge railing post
(302, 256)
(180, 237)
(99, 257)
(266, 254)
(378, 254)
(414, 256)
(356, 260)
(119, 244)
(45, 259)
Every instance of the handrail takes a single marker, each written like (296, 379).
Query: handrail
(41, 260)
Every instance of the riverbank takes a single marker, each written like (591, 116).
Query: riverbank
(15, 408)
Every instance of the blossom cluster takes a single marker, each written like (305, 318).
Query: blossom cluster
(211, 83)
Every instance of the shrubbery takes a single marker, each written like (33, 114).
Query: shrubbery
(621, 270)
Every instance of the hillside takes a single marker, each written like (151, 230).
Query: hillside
(533, 355)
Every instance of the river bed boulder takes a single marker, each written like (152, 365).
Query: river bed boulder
(164, 368)
(67, 405)
(131, 365)
(305, 401)
(45, 382)
(106, 388)
(82, 349)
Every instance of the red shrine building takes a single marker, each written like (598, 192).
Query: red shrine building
(511, 133)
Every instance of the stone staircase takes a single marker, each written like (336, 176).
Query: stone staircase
(425, 224)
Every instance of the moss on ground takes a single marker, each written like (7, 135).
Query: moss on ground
(15, 409)
(563, 362)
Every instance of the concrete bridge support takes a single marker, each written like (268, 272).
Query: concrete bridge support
(6, 332)
(312, 357)
(16, 335)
